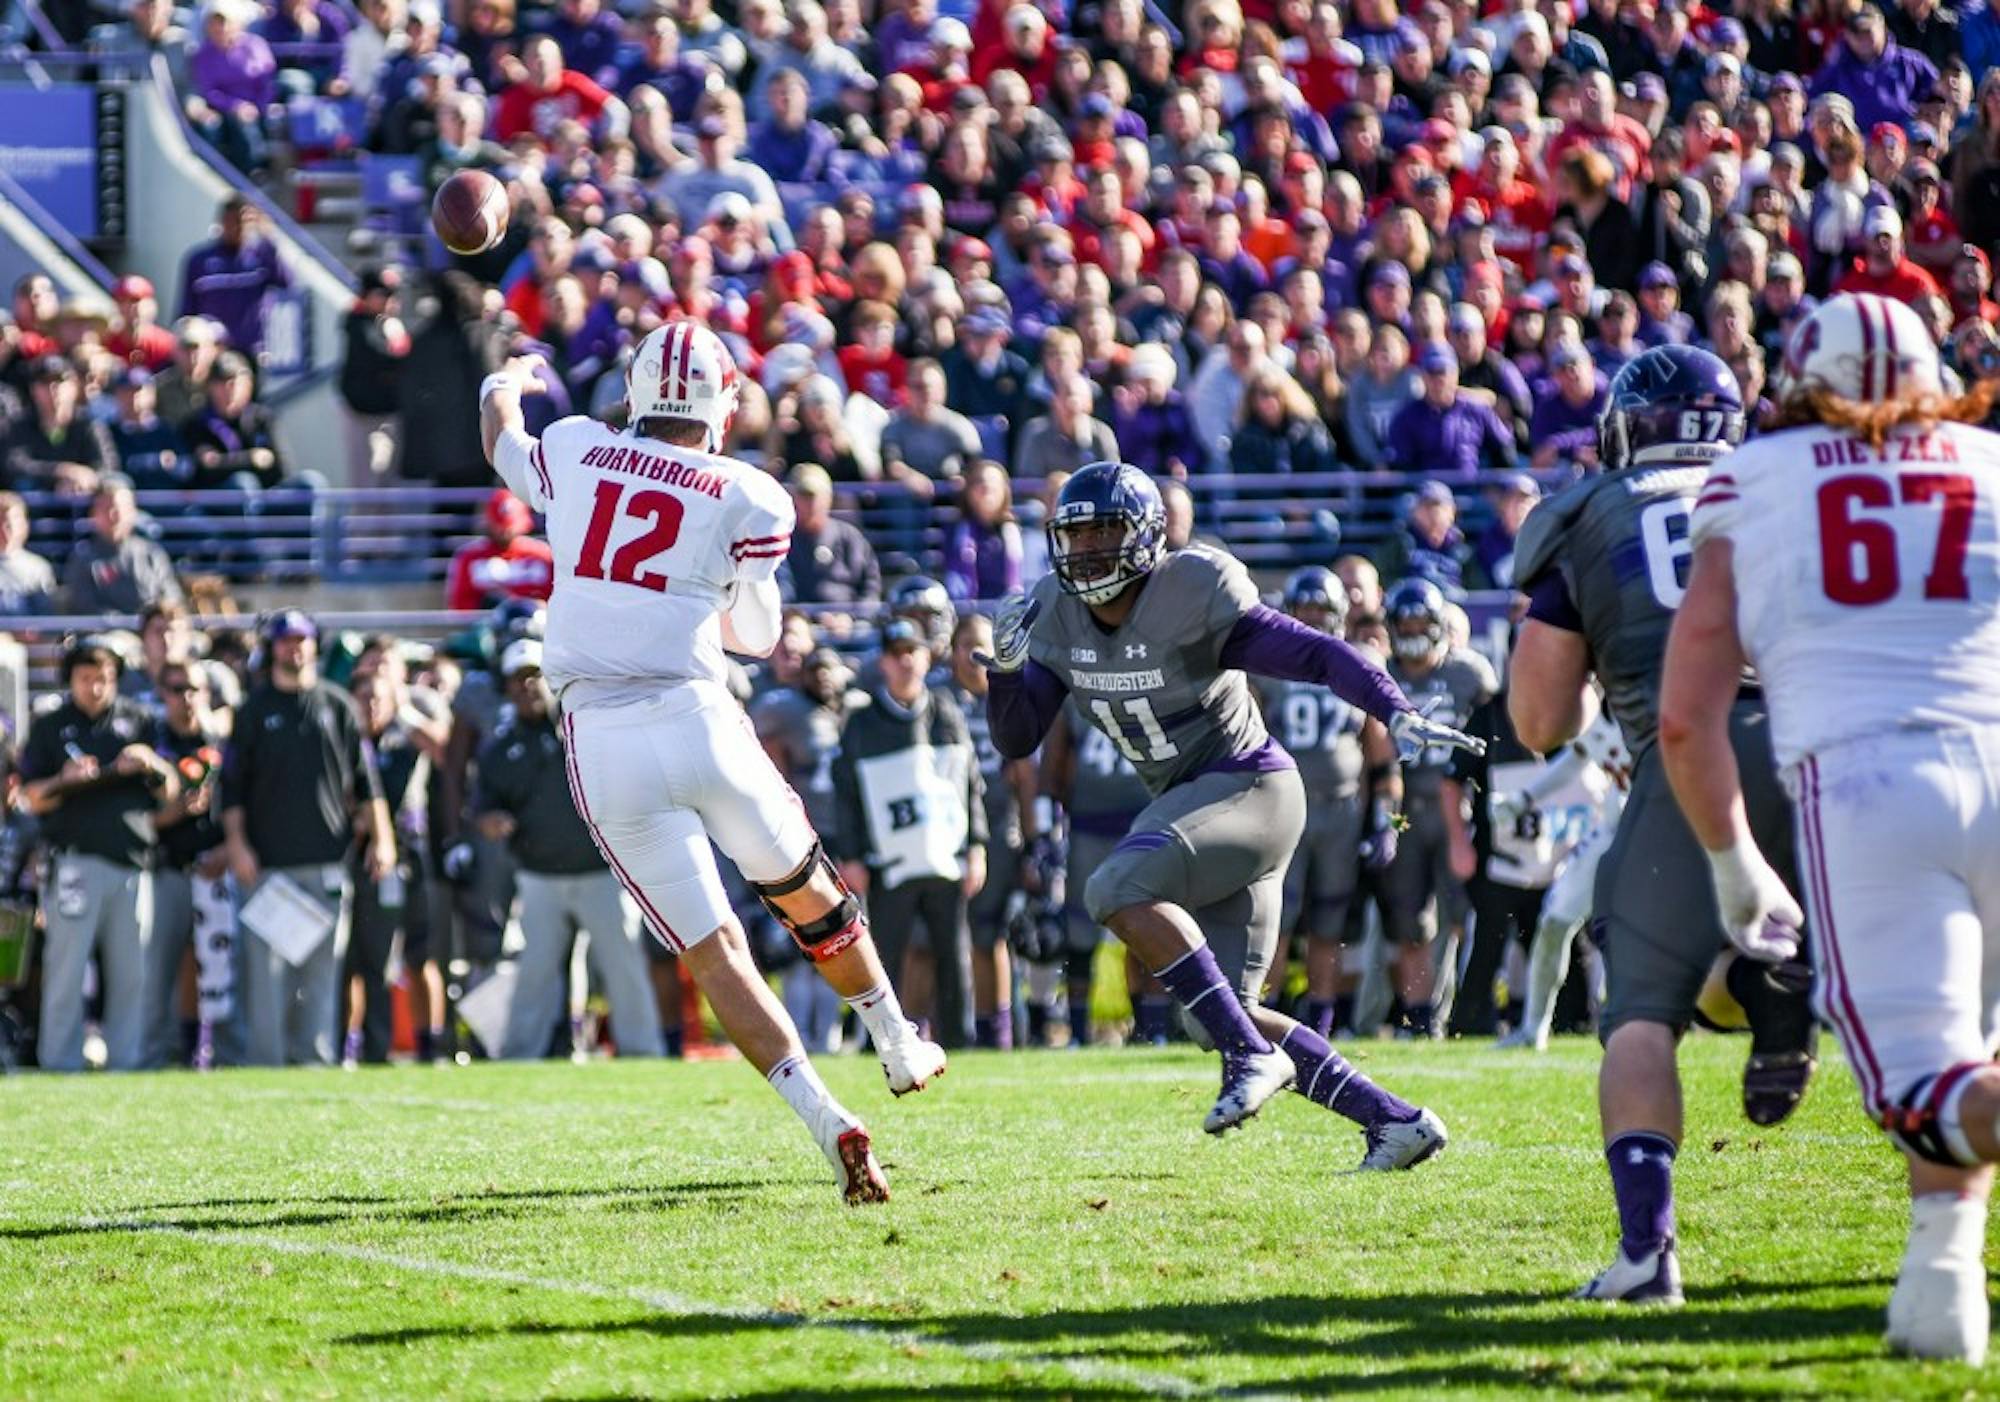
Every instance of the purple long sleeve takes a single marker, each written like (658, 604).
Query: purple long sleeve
(1021, 706)
(1271, 644)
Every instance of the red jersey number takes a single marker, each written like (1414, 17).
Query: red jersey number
(1858, 551)
(663, 509)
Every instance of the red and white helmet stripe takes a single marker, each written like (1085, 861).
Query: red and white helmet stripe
(683, 371)
(1863, 347)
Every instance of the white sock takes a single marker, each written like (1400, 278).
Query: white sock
(1946, 1230)
(881, 1012)
(1548, 966)
(795, 1079)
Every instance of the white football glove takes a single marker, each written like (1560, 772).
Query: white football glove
(1011, 629)
(1414, 732)
(1758, 913)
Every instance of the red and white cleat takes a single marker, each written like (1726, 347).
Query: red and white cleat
(861, 1176)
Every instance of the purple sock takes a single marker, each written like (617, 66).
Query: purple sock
(994, 1031)
(1642, 1179)
(1150, 1019)
(1197, 981)
(1328, 1078)
(1319, 1016)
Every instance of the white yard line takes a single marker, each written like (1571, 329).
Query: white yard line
(665, 1303)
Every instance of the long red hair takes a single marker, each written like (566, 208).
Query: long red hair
(1815, 406)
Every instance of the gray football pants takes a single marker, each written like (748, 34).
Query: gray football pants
(293, 1014)
(553, 910)
(102, 907)
(1217, 846)
(1655, 912)
(173, 932)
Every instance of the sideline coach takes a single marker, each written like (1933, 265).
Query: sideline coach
(297, 782)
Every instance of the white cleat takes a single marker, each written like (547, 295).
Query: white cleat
(910, 1063)
(1940, 1311)
(1653, 1279)
(1398, 1144)
(1248, 1080)
(1522, 1039)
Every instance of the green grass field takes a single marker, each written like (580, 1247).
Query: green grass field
(1061, 1228)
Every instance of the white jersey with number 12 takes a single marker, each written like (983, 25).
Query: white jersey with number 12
(651, 542)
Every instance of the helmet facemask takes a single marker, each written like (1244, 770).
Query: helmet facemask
(1100, 573)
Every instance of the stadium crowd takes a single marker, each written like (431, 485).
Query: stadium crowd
(956, 249)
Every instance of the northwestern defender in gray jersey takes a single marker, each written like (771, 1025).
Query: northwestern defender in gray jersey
(1419, 894)
(1154, 645)
(1604, 564)
(1354, 792)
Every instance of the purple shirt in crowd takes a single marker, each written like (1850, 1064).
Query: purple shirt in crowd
(230, 286)
(1569, 426)
(983, 561)
(1452, 442)
(243, 72)
(1154, 435)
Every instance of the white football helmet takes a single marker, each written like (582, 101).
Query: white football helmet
(683, 371)
(1863, 347)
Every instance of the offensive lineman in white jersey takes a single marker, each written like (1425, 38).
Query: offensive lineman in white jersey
(666, 555)
(1854, 559)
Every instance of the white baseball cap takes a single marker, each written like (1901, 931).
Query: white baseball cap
(521, 655)
(1882, 220)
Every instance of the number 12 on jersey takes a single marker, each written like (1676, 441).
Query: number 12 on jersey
(1157, 747)
(663, 509)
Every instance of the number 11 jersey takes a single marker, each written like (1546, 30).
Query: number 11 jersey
(1156, 684)
(1619, 545)
(651, 543)
(1867, 579)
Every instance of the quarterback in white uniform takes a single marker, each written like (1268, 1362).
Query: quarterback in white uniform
(1854, 559)
(666, 555)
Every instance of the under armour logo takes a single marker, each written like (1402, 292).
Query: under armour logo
(1133, 650)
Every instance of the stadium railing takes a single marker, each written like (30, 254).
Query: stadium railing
(407, 534)
(43, 637)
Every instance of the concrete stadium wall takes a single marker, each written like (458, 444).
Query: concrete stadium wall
(174, 196)
(25, 249)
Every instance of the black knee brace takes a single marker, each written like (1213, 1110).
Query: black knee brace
(823, 938)
(1917, 1121)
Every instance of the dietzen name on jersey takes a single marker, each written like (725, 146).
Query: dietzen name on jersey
(1857, 564)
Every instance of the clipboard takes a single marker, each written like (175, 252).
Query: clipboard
(287, 917)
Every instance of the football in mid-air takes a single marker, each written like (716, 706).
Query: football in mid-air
(470, 212)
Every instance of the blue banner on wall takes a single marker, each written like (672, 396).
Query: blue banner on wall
(57, 163)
